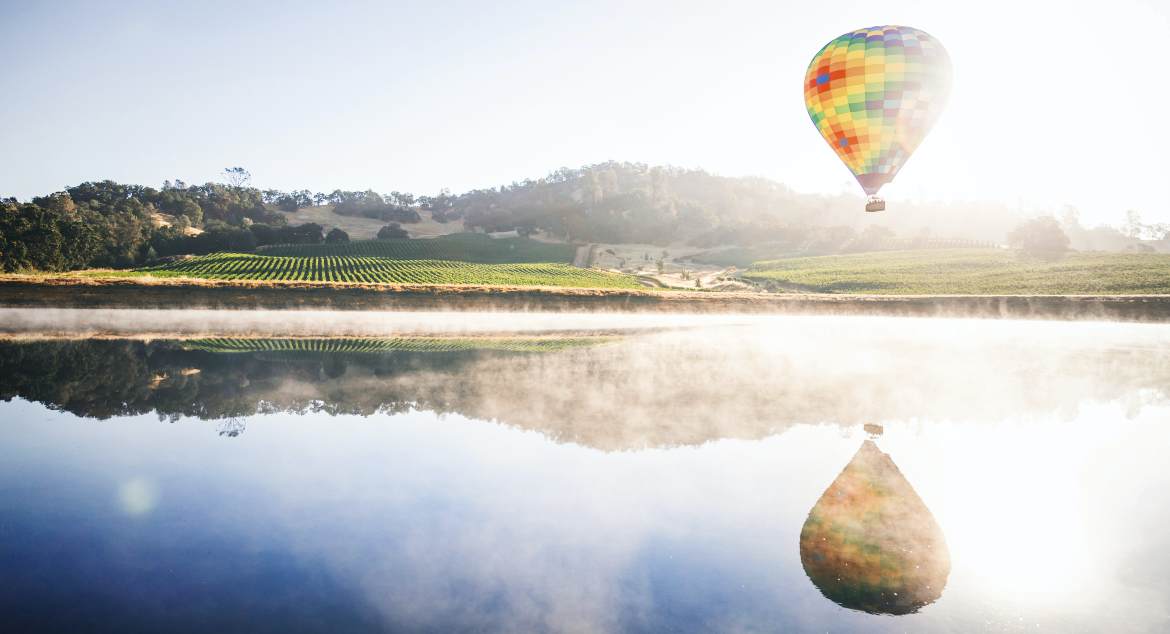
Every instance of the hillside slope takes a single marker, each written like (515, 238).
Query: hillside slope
(464, 247)
(362, 228)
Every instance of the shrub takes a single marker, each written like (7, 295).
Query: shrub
(392, 231)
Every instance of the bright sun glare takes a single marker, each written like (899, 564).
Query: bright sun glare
(1014, 512)
(1041, 120)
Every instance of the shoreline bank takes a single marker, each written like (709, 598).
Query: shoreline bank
(178, 293)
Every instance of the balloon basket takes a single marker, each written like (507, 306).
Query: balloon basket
(875, 204)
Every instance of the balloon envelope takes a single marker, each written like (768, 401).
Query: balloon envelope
(873, 94)
(870, 543)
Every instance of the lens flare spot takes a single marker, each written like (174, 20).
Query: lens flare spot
(137, 496)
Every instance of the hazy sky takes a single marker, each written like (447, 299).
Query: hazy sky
(1053, 103)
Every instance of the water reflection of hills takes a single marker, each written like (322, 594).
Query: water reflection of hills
(661, 389)
(870, 543)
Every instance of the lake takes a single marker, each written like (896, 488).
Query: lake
(211, 471)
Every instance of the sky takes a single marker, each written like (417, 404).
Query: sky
(1053, 103)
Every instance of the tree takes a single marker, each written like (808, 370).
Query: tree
(1136, 229)
(392, 231)
(875, 236)
(1040, 237)
(308, 233)
(264, 234)
(237, 176)
(292, 201)
(398, 198)
(336, 236)
(58, 203)
(370, 204)
(56, 238)
(1133, 225)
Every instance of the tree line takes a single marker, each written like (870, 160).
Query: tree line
(105, 378)
(110, 224)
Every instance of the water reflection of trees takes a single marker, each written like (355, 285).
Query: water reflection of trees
(870, 543)
(658, 390)
(105, 378)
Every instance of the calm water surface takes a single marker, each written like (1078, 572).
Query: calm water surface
(703, 477)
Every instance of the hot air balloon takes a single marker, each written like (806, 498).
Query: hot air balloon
(874, 94)
(870, 543)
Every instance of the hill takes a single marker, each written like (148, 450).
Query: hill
(617, 202)
(109, 224)
(968, 272)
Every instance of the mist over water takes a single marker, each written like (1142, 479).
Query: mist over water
(297, 471)
(334, 323)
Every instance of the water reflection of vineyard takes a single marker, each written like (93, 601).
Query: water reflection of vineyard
(376, 345)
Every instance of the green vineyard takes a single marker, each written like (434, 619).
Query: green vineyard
(969, 272)
(378, 345)
(247, 266)
(463, 247)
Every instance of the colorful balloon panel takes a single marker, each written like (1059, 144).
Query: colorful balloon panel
(874, 94)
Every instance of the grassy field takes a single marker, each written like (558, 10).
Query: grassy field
(464, 247)
(379, 270)
(969, 272)
(744, 257)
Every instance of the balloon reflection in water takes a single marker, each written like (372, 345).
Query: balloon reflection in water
(870, 543)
